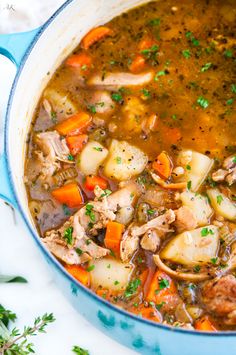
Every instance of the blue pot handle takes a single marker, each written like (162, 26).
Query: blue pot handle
(12, 46)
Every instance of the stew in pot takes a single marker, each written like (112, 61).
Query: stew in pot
(131, 163)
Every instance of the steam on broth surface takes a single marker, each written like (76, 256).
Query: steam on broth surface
(131, 165)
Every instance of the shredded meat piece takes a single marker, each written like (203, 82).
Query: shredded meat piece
(114, 81)
(185, 219)
(128, 245)
(54, 150)
(102, 101)
(227, 174)
(160, 223)
(219, 297)
(150, 241)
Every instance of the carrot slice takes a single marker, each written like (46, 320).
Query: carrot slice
(204, 324)
(79, 274)
(74, 124)
(92, 181)
(69, 194)
(113, 237)
(163, 165)
(95, 35)
(146, 43)
(149, 312)
(161, 289)
(81, 60)
(137, 64)
(76, 143)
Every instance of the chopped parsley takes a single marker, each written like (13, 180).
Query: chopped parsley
(189, 185)
(154, 22)
(234, 160)
(54, 116)
(146, 92)
(92, 108)
(203, 102)
(191, 37)
(219, 199)
(174, 117)
(79, 251)
(84, 67)
(163, 283)
(188, 167)
(160, 73)
(233, 88)
(151, 211)
(214, 261)
(118, 160)
(68, 235)
(66, 210)
(140, 259)
(206, 231)
(197, 268)
(228, 53)
(70, 157)
(205, 67)
(106, 193)
(90, 268)
(230, 101)
(108, 266)
(89, 212)
(80, 351)
(186, 53)
(160, 305)
(150, 52)
(98, 149)
(117, 97)
(116, 283)
(132, 287)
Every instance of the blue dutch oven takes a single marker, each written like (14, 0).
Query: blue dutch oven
(37, 54)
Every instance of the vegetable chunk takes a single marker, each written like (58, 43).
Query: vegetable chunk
(222, 204)
(124, 161)
(110, 274)
(197, 167)
(194, 247)
(91, 157)
(199, 205)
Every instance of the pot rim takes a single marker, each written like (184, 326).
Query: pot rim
(36, 236)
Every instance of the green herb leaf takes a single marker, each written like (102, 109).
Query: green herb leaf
(12, 279)
(98, 149)
(203, 102)
(206, 231)
(160, 305)
(233, 88)
(189, 185)
(154, 22)
(214, 261)
(79, 251)
(117, 97)
(132, 287)
(205, 67)
(146, 92)
(219, 199)
(160, 73)
(80, 351)
(228, 53)
(230, 101)
(70, 157)
(186, 53)
(90, 268)
(68, 235)
(188, 167)
(89, 212)
(118, 160)
(163, 283)
(197, 268)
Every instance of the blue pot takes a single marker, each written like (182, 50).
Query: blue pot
(36, 55)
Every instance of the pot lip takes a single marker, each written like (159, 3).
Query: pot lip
(36, 237)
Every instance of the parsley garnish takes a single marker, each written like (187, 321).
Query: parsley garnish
(118, 160)
(214, 261)
(160, 73)
(106, 193)
(90, 268)
(206, 231)
(116, 283)
(117, 97)
(98, 149)
(163, 283)
(203, 102)
(68, 235)
(233, 88)
(151, 211)
(188, 167)
(92, 108)
(189, 185)
(132, 287)
(160, 305)
(80, 351)
(89, 212)
(70, 157)
(146, 92)
(54, 116)
(230, 101)
(79, 251)
(197, 268)
(154, 22)
(228, 53)
(205, 67)
(186, 53)
(150, 52)
(219, 199)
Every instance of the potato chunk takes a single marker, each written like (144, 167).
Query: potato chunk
(199, 205)
(124, 161)
(110, 274)
(60, 102)
(197, 167)
(222, 204)
(91, 157)
(194, 247)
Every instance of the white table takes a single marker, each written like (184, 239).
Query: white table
(20, 256)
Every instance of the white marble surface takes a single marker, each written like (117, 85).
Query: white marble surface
(19, 255)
